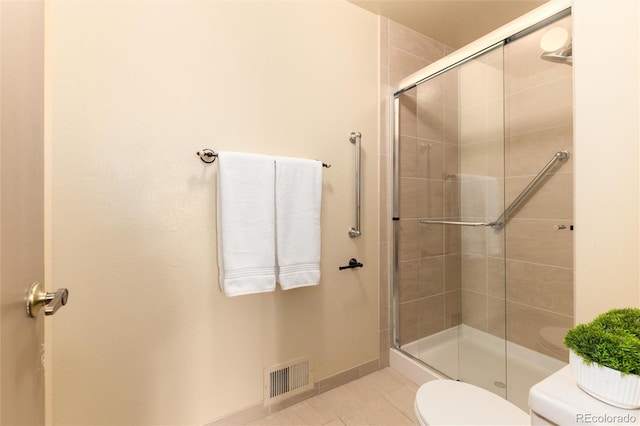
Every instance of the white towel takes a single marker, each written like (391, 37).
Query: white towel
(298, 200)
(246, 223)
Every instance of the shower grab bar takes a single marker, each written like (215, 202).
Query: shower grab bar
(355, 138)
(498, 224)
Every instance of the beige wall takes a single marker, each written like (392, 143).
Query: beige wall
(136, 89)
(607, 134)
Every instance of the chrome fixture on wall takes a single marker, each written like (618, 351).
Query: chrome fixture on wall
(557, 46)
(209, 156)
(355, 138)
(498, 224)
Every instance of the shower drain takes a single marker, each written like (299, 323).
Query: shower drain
(499, 385)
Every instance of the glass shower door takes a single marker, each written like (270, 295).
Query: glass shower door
(450, 293)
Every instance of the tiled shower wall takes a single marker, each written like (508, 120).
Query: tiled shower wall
(539, 264)
(451, 275)
(402, 52)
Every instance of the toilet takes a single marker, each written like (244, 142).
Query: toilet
(449, 402)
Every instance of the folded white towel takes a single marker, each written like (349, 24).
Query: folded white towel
(298, 202)
(246, 223)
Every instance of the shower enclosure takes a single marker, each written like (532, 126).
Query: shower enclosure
(483, 213)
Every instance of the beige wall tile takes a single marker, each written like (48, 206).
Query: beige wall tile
(452, 237)
(430, 117)
(386, 108)
(540, 286)
(494, 76)
(452, 309)
(431, 276)
(451, 125)
(409, 326)
(430, 240)
(539, 241)
(408, 153)
(413, 42)
(474, 239)
(385, 204)
(472, 83)
(473, 124)
(496, 277)
(473, 197)
(452, 198)
(430, 199)
(474, 273)
(408, 108)
(451, 161)
(552, 199)
(385, 344)
(526, 326)
(385, 286)
(432, 90)
(473, 159)
(384, 41)
(528, 153)
(474, 310)
(430, 159)
(402, 64)
(494, 113)
(408, 280)
(408, 197)
(495, 159)
(496, 317)
(431, 315)
(452, 272)
(541, 107)
(407, 239)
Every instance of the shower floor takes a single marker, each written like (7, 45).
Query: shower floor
(476, 357)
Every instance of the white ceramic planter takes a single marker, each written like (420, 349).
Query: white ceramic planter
(606, 384)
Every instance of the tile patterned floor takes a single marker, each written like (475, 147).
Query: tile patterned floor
(384, 397)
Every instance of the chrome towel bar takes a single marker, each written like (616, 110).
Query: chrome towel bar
(355, 138)
(451, 222)
(498, 224)
(209, 156)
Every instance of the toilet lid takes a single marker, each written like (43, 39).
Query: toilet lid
(448, 402)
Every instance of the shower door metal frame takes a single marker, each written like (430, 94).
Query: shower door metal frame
(532, 21)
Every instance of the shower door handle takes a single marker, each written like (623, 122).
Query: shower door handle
(51, 302)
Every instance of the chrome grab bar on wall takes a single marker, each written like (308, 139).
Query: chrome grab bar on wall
(498, 224)
(355, 138)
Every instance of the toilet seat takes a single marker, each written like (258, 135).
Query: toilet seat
(448, 402)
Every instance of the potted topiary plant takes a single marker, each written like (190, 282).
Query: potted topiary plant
(605, 357)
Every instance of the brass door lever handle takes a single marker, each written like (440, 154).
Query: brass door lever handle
(38, 298)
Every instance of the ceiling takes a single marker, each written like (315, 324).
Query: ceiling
(452, 22)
